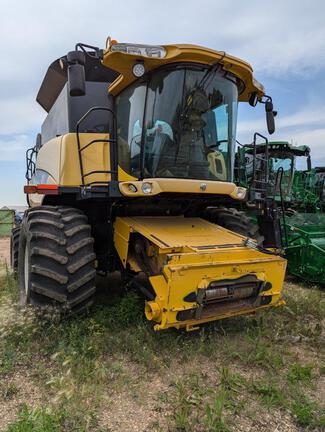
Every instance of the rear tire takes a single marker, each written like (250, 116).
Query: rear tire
(14, 248)
(56, 265)
(234, 220)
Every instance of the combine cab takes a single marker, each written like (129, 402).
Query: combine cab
(134, 171)
(299, 194)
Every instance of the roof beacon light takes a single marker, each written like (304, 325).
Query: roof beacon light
(140, 50)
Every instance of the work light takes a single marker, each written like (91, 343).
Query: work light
(138, 70)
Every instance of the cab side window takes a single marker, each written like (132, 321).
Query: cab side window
(129, 111)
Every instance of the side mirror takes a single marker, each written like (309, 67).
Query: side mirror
(76, 73)
(269, 116)
(253, 99)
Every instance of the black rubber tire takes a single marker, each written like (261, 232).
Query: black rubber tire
(234, 220)
(14, 247)
(60, 261)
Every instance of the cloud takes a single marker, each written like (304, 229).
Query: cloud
(278, 37)
(13, 148)
(314, 138)
(304, 127)
(303, 118)
(20, 114)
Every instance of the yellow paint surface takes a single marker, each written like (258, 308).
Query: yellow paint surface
(193, 253)
(122, 63)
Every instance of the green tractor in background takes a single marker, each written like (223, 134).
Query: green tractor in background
(300, 195)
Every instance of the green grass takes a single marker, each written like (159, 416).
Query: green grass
(44, 419)
(307, 413)
(37, 420)
(269, 392)
(196, 404)
(206, 380)
(300, 373)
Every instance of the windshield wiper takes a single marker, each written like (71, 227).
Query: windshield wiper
(210, 71)
(201, 86)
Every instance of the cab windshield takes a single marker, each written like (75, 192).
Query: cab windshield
(284, 164)
(180, 123)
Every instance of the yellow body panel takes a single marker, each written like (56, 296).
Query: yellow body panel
(59, 157)
(122, 63)
(174, 185)
(124, 176)
(190, 254)
(95, 158)
(48, 158)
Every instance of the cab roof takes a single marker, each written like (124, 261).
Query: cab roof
(301, 150)
(116, 69)
(122, 63)
(281, 147)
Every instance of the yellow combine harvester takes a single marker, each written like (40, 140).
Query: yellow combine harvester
(133, 171)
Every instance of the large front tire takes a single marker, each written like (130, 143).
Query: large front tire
(14, 247)
(56, 265)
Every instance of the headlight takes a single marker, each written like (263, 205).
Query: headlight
(138, 70)
(146, 188)
(240, 192)
(132, 188)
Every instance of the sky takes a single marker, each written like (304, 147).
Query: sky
(284, 41)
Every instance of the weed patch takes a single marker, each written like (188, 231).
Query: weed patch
(307, 412)
(44, 419)
(269, 392)
(300, 373)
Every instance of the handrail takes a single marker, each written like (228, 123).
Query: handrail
(113, 171)
(256, 134)
(30, 164)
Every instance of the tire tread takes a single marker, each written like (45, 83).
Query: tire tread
(62, 258)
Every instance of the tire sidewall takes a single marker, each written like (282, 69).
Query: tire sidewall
(237, 221)
(24, 247)
(12, 253)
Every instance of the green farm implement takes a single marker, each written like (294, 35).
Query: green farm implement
(306, 246)
(300, 195)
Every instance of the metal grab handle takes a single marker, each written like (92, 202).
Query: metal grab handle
(112, 162)
(30, 164)
(96, 108)
(256, 134)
